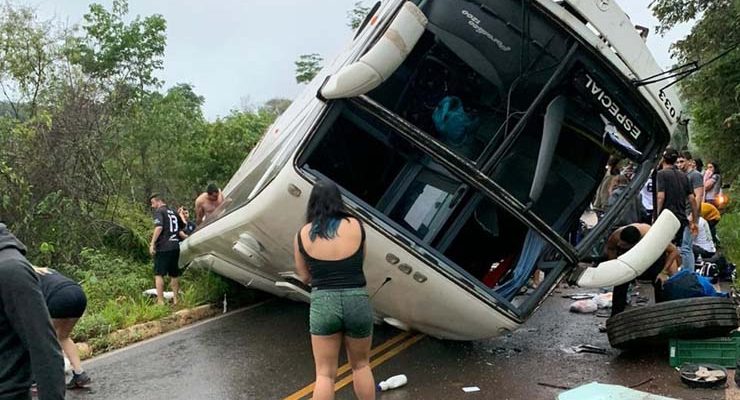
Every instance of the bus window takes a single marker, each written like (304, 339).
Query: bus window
(573, 177)
(358, 156)
(434, 76)
(424, 202)
(483, 236)
(366, 158)
(456, 94)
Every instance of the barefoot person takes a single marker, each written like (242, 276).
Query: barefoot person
(66, 302)
(329, 253)
(207, 203)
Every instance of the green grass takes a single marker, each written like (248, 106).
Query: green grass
(728, 231)
(114, 285)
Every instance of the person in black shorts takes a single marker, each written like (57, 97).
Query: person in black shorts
(29, 348)
(165, 246)
(66, 302)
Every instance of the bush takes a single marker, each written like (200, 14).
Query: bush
(114, 285)
(728, 231)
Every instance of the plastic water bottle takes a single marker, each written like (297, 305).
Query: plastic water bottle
(224, 303)
(392, 382)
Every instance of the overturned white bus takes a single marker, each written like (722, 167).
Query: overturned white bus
(470, 137)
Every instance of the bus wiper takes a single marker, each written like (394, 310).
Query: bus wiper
(550, 134)
(682, 71)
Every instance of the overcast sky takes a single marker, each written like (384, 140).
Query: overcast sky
(232, 50)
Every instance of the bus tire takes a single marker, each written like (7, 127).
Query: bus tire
(700, 317)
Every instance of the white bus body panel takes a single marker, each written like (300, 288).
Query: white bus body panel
(436, 306)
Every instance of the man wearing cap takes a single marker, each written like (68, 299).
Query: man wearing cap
(674, 193)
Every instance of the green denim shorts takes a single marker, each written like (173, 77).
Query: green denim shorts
(341, 310)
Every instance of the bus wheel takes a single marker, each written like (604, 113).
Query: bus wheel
(699, 317)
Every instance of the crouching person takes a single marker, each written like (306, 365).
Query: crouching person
(621, 241)
(66, 302)
(28, 344)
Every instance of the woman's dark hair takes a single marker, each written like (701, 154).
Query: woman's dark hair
(716, 167)
(699, 164)
(325, 210)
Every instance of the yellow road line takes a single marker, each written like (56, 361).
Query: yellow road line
(346, 367)
(385, 357)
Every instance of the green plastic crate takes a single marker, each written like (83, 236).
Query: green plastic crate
(722, 351)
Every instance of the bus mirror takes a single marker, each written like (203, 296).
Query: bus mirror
(550, 134)
(383, 58)
(637, 260)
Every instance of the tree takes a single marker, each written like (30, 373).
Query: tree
(275, 106)
(120, 53)
(357, 14)
(28, 50)
(307, 66)
(712, 94)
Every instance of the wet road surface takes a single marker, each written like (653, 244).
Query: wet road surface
(264, 353)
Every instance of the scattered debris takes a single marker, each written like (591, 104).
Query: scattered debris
(470, 389)
(570, 387)
(587, 348)
(600, 391)
(602, 328)
(703, 375)
(579, 296)
(584, 306)
(554, 386)
(592, 303)
(153, 293)
(392, 383)
(642, 383)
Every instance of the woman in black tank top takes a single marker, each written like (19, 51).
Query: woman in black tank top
(329, 253)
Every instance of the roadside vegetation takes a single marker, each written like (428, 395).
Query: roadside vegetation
(87, 132)
(711, 96)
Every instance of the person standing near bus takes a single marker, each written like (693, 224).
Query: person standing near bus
(207, 203)
(329, 253)
(675, 194)
(66, 302)
(712, 183)
(165, 247)
(696, 182)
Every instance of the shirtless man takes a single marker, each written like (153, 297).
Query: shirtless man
(207, 202)
(621, 241)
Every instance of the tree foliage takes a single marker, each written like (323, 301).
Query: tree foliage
(712, 95)
(307, 66)
(116, 52)
(357, 14)
(87, 133)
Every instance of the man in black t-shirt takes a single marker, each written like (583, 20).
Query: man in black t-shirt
(165, 246)
(674, 193)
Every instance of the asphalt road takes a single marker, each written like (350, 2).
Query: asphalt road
(264, 353)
